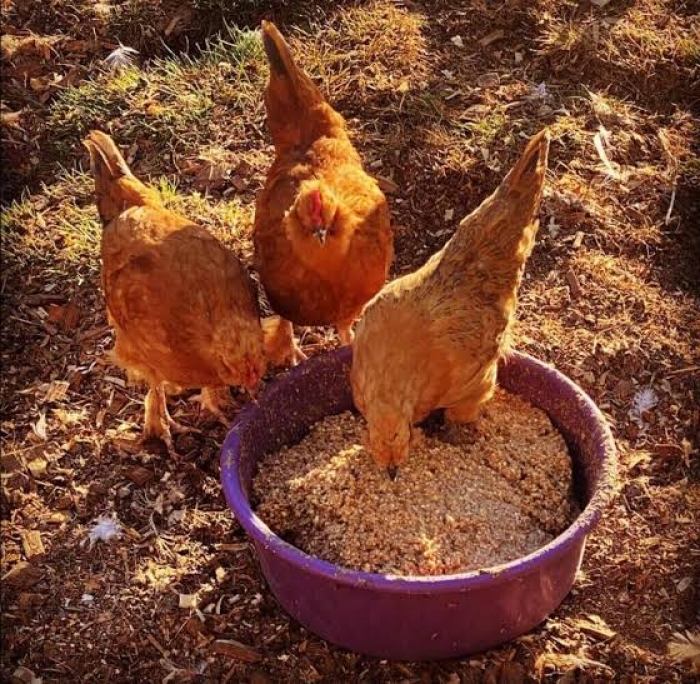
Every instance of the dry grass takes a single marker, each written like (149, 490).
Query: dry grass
(611, 296)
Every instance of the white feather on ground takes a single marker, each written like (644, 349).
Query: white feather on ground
(105, 529)
(121, 57)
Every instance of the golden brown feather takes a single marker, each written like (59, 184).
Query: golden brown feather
(278, 335)
(432, 339)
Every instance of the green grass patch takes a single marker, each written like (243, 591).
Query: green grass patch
(58, 228)
(491, 127)
(172, 101)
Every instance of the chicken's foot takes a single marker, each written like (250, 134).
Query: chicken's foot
(461, 423)
(174, 426)
(297, 353)
(208, 399)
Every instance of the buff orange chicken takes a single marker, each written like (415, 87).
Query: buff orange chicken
(432, 339)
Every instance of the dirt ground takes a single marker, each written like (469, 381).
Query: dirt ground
(440, 97)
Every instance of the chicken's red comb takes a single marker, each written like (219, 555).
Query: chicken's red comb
(316, 207)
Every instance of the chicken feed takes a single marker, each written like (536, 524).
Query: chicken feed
(485, 497)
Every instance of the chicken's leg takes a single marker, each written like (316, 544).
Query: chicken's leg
(176, 427)
(345, 332)
(157, 421)
(297, 353)
(461, 421)
(208, 399)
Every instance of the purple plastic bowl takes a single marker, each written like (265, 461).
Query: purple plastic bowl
(417, 618)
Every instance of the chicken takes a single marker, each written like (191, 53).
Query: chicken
(432, 339)
(184, 309)
(323, 240)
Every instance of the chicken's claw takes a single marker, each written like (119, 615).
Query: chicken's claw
(209, 401)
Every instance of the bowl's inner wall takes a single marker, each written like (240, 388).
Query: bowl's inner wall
(288, 409)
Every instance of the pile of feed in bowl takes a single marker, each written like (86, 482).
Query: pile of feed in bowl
(454, 506)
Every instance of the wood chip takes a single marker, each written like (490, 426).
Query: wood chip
(491, 38)
(597, 629)
(239, 183)
(94, 333)
(187, 600)
(488, 80)
(28, 600)
(32, 544)
(57, 518)
(22, 576)
(23, 675)
(574, 284)
(39, 428)
(130, 446)
(578, 239)
(66, 316)
(56, 391)
(55, 312)
(154, 642)
(235, 649)
(138, 475)
(39, 299)
(510, 673)
(119, 382)
(71, 316)
(684, 584)
(241, 546)
(387, 185)
(10, 463)
(38, 467)
(476, 111)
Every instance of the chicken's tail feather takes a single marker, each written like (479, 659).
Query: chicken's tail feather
(531, 168)
(291, 94)
(116, 187)
(106, 161)
(502, 230)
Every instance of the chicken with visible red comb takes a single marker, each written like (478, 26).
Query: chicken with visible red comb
(323, 241)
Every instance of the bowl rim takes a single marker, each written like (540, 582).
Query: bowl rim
(257, 529)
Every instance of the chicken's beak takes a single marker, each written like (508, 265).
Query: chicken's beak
(392, 471)
(320, 234)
